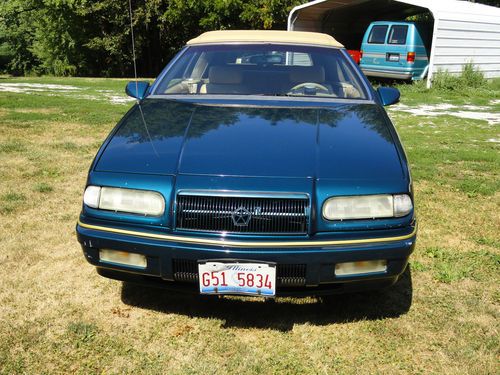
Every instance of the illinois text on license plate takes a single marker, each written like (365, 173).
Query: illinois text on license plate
(237, 278)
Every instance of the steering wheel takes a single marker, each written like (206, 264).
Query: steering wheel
(302, 87)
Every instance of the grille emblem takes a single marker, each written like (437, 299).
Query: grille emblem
(241, 217)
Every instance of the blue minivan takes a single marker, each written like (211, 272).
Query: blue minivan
(397, 50)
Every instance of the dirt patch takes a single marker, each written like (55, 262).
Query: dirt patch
(36, 110)
(35, 87)
(472, 112)
(85, 93)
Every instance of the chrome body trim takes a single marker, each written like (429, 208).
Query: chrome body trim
(247, 244)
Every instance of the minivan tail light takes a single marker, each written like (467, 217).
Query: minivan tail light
(410, 57)
(360, 55)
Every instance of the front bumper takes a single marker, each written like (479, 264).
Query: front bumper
(303, 267)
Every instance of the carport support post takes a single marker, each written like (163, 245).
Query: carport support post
(433, 48)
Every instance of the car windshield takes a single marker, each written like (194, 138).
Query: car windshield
(272, 70)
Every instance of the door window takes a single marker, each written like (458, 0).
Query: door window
(397, 35)
(377, 35)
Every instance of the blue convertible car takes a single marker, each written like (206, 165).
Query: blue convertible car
(258, 163)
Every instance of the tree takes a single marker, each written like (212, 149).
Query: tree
(92, 37)
(18, 35)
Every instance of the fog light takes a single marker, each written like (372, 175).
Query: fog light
(362, 267)
(123, 257)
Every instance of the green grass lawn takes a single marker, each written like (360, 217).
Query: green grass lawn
(58, 316)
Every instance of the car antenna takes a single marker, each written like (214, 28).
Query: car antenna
(134, 60)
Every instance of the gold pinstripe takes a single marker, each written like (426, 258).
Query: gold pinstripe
(204, 241)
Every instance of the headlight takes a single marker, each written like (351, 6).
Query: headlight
(367, 207)
(91, 196)
(142, 202)
(402, 205)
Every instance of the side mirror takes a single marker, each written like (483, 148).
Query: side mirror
(137, 90)
(388, 95)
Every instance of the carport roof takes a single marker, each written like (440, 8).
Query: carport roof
(315, 10)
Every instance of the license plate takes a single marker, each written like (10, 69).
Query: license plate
(393, 57)
(237, 278)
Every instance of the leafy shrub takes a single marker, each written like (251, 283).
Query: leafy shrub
(469, 78)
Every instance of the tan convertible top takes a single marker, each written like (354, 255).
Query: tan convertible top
(265, 36)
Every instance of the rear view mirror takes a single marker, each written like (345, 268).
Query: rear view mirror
(388, 95)
(137, 90)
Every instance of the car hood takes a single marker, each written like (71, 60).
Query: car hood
(340, 141)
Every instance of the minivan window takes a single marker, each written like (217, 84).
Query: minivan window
(377, 35)
(397, 35)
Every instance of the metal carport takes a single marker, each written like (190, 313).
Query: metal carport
(463, 32)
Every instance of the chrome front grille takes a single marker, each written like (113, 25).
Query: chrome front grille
(237, 214)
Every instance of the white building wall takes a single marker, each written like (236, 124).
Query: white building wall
(460, 39)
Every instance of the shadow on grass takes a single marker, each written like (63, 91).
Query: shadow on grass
(379, 81)
(280, 313)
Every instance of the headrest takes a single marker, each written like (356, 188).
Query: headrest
(225, 75)
(299, 74)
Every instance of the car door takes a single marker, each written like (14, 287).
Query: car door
(396, 47)
(374, 48)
